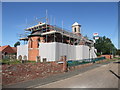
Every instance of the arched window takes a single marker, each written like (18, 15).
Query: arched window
(31, 43)
(38, 39)
(38, 42)
(74, 29)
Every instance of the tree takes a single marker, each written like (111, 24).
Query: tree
(118, 52)
(105, 46)
(17, 44)
(86, 36)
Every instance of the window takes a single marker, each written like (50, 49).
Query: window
(38, 39)
(74, 29)
(30, 43)
(38, 42)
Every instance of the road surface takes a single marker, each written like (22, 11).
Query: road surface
(100, 77)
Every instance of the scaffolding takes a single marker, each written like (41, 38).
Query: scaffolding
(46, 29)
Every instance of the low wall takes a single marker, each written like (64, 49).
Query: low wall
(85, 65)
(79, 66)
(23, 72)
(107, 56)
(101, 61)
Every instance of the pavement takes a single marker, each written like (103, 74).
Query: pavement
(68, 79)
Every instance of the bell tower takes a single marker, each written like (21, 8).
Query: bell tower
(76, 28)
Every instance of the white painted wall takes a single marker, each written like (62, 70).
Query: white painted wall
(22, 50)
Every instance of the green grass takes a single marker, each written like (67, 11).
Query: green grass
(31, 61)
(113, 59)
(117, 58)
(8, 61)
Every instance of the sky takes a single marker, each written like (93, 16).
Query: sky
(100, 17)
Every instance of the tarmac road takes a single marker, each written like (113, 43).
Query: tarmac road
(105, 76)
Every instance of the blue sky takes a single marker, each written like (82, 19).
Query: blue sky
(100, 17)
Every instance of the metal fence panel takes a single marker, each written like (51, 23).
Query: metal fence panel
(84, 61)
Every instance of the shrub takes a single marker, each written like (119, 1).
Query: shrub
(98, 54)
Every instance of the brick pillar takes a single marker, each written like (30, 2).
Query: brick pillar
(64, 64)
(33, 49)
(61, 58)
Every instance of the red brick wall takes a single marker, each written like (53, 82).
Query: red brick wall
(33, 50)
(23, 72)
(32, 54)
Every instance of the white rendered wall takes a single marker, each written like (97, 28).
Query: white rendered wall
(22, 50)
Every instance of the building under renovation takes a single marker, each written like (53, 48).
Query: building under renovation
(49, 42)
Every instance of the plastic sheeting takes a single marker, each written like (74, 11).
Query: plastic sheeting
(53, 51)
(22, 50)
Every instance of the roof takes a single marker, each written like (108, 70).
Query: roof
(14, 49)
(8, 49)
(76, 24)
(3, 47)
